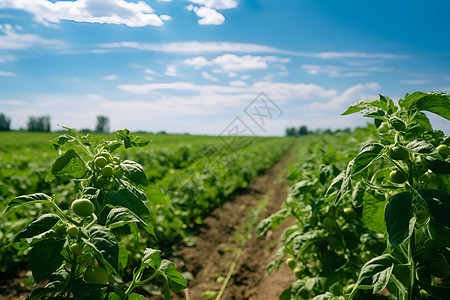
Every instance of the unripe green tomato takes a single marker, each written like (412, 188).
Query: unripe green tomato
(118, 173)
(298, 272)
(100, 162)
(398, 153)
(291, 263)
(108, 171)
(439, 268)
(349, 214)
(384, 128)
(72, 231)
(443, 150)
(96, 275)
(422, 217)
(102, 180)
(61, 229)
(76, 249)
(83, 207)
(328, 223)
(106, 155)
(397, 177)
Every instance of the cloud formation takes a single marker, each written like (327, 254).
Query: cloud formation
(121, 12)
(12, 39)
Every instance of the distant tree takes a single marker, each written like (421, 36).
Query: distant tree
(5, 123)
(102, 124)
(39, 124)
(303, 131)
(290, 131)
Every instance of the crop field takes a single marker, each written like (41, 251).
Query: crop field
(351, 215)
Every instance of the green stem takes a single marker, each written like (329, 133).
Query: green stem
(136, 283)
(62, 214)
(72, 275)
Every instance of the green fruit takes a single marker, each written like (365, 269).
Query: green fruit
(291, 263)
(443, 150)
(102, 180)
(61, 229)
(328, 223)
(298, 272)
(397, 177)
(398, 153)
(108, 171)
(349, 214)
(76, 249)
(422, 217)
(100, 162)
(96, 275)
(83, 207)
(107, 156)
(118, 173)
(439, 268)
(384, 128)
(72, 231)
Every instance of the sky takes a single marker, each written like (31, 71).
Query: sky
(217, 66)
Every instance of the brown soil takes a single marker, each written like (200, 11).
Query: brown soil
(224, 244)
(217, 244)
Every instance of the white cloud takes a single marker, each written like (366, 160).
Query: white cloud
(238, 83)
(208, 76)
(110, 77)
(149, 71)
(171, 70)
(118, 12)
(232, 74)
(207, 16)
(195, 47)
(8, 74)
(11, 40)
(245, 77)
(217, 4)
(197, 62)
(348, 97)
(149, 78)
(231, 62)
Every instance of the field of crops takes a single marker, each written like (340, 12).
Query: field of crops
(367, 215)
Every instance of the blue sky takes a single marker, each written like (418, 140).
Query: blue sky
(200, 66)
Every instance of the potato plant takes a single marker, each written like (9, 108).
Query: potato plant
(77, 250)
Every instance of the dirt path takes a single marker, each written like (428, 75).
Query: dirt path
(227, 246)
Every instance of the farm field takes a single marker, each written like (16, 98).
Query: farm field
(200, 217)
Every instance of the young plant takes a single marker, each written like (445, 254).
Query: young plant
(77, 250)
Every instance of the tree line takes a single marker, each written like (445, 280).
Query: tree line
(42, 124)
(303, 130)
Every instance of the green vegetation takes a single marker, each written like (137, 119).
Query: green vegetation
(372, 207)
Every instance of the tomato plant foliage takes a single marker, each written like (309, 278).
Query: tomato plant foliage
(89, 262)
(396, 179)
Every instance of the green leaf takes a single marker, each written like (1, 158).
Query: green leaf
(27, 199)
(105, 245)
(84, 291)
(366, 156)
(135, 296)
(440, 292)
(373, 213)
(437, 202)
(134, 172)
(124, 197)
(45, 258)
(151, 258)
(421, 146)
(69, 164)
(120, 216)
(37, 226)
(397, 124)
(171, 277)
(155, 194)
(61, 140)
(375, 274)
(438, 103)
(438, 166)
(398, 216)
(361, 105)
